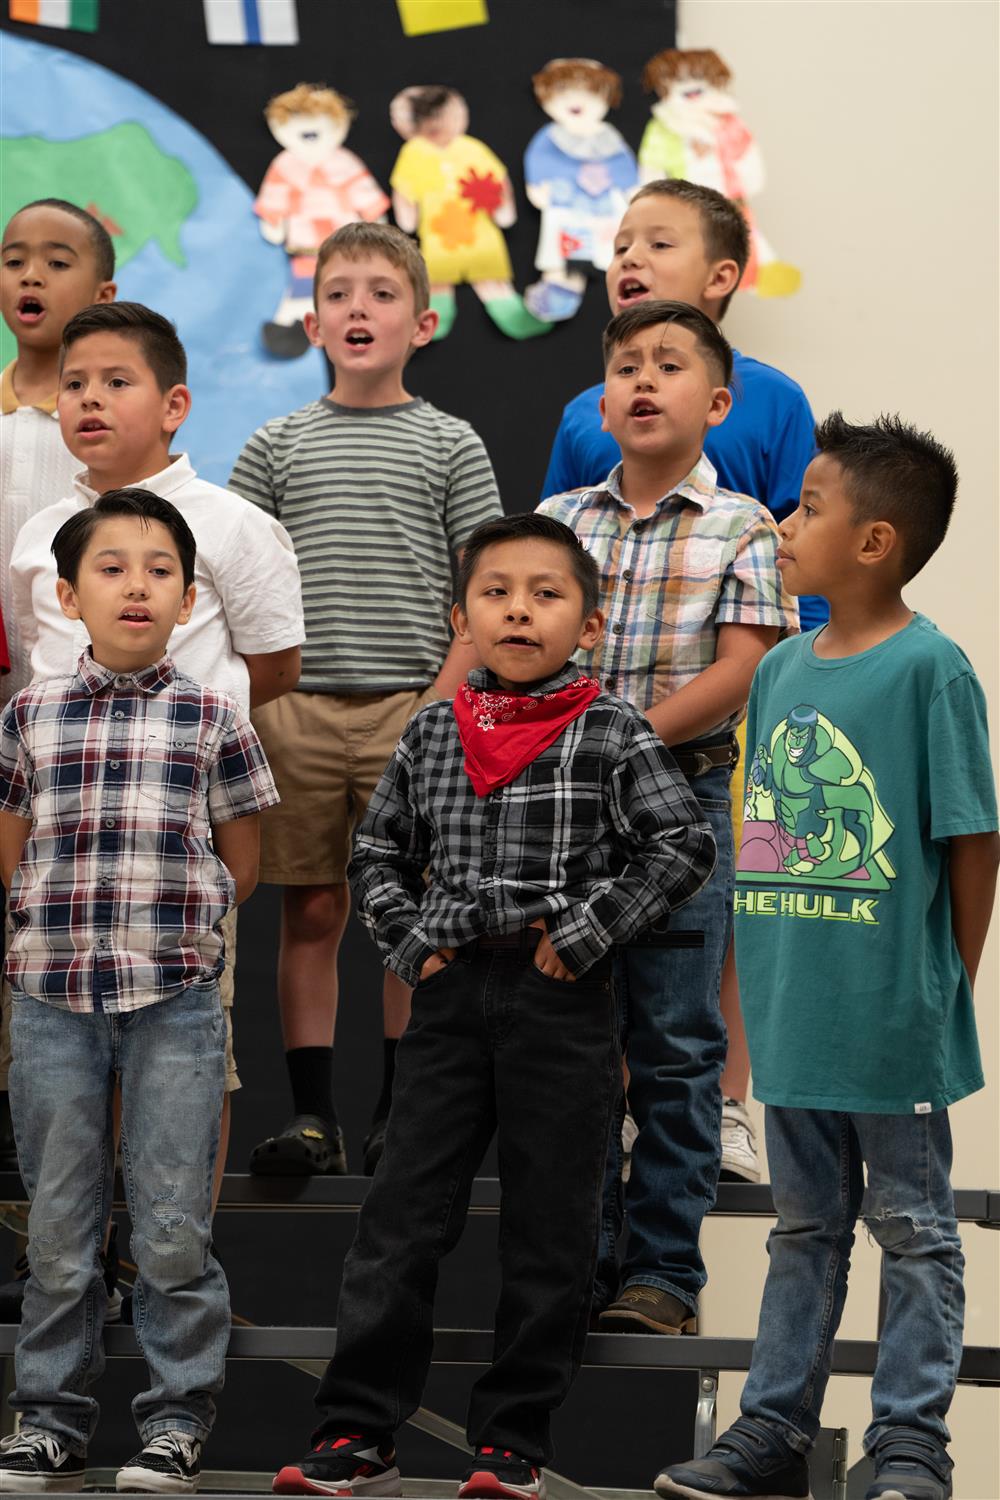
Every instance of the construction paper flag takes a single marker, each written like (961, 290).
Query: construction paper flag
(68, 15)
(252, 23)
(421, 16)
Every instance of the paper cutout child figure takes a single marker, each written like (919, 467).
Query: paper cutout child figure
(455, 193)
(697, 132)
(580, 174)
(312, 188)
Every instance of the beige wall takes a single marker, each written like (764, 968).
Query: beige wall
(878, 126)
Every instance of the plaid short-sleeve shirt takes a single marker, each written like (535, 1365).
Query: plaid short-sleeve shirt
(119, 896)
(706, 557)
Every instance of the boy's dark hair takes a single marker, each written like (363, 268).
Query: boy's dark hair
(895, 473)
(156, 336)
(100, 239)
(723, 227)
(71, 540)
(712, 342)
(360, 241)
(531, 527)
(425, 103)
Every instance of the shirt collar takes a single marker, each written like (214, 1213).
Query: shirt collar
(484, 681)
(96, 678)
(164, 484)
(698, 486)
(8, 395)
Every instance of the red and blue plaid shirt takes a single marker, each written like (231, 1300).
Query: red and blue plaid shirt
(119, 895)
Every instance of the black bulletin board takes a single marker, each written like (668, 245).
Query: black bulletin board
(512, 392)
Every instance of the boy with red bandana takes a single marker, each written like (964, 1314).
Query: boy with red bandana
(554, 824)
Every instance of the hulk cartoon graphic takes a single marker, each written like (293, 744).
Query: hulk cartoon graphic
(812, 811)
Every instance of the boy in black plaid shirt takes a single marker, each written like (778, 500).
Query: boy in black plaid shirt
(554, 825)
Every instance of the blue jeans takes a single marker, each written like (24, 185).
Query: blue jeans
(815, 1158)
(675, 1041)
(171, 1059)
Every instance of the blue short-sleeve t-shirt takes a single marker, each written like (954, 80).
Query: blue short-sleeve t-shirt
(762, 449)
(859, 771)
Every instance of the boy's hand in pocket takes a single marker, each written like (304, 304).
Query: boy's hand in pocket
(547, 959)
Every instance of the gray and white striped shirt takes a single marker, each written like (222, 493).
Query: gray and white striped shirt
(376, 502)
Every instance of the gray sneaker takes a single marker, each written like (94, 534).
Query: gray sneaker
(909, 1465)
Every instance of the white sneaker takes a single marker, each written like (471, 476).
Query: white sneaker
(629, 1132)
(739, 1144)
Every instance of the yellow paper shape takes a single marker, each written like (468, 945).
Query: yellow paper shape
(421, 16)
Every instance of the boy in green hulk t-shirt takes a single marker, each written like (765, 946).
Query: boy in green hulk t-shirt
(864, 888)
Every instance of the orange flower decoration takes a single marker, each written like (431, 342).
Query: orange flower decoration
(455, 225)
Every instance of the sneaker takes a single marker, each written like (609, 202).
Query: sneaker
(909, 1465)
(630, 1131)
(306, 1147)
(170, 1464)
(34, 1461)
(12, 1292)
(373, 1147)
(747, 1460)
(498, 1471)
(351, 1465)
(647, 1309)
(739, 1144)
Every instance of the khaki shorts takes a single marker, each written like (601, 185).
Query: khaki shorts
(226, 992)
(326, 752)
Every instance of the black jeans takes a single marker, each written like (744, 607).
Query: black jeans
(492, 1045)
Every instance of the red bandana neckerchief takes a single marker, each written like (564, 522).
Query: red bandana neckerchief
(502, 733)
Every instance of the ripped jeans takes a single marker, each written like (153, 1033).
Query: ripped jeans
(816, 1159)
(170, 1057)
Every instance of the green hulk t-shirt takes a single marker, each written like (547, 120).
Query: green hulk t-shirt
(859, 771)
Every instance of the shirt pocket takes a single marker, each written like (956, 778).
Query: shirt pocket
(171, 773)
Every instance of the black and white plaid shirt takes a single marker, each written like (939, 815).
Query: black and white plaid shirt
(600, 835)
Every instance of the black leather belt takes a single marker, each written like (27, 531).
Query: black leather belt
(526, 938)
(697, 757)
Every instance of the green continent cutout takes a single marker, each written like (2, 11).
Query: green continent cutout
(137, 190)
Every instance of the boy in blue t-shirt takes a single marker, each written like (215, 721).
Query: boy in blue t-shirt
(687, 243)
(865, 883)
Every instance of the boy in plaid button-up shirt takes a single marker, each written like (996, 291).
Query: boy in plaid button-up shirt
(129, 797)
(554, 824)
(693, 598)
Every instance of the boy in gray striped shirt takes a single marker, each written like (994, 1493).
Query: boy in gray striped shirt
(378, 490)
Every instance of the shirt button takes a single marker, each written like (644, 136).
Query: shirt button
(114, 764)
(121, 682)
(109, 822)
(119, 714)
(617, 627)
(610, 681)
(627, 575)
(639, 525)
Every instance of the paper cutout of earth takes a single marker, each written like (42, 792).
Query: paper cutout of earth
(186, 238)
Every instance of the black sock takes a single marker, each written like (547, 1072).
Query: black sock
(310, 1072)
(389, 1045)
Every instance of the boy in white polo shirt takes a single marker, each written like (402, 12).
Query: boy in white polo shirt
(121, 399)
(57, 259)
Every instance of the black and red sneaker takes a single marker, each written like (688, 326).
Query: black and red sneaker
(497, 1472)
(349, 1465)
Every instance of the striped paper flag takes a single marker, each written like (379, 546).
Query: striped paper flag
(68, 15)
(252, 23)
